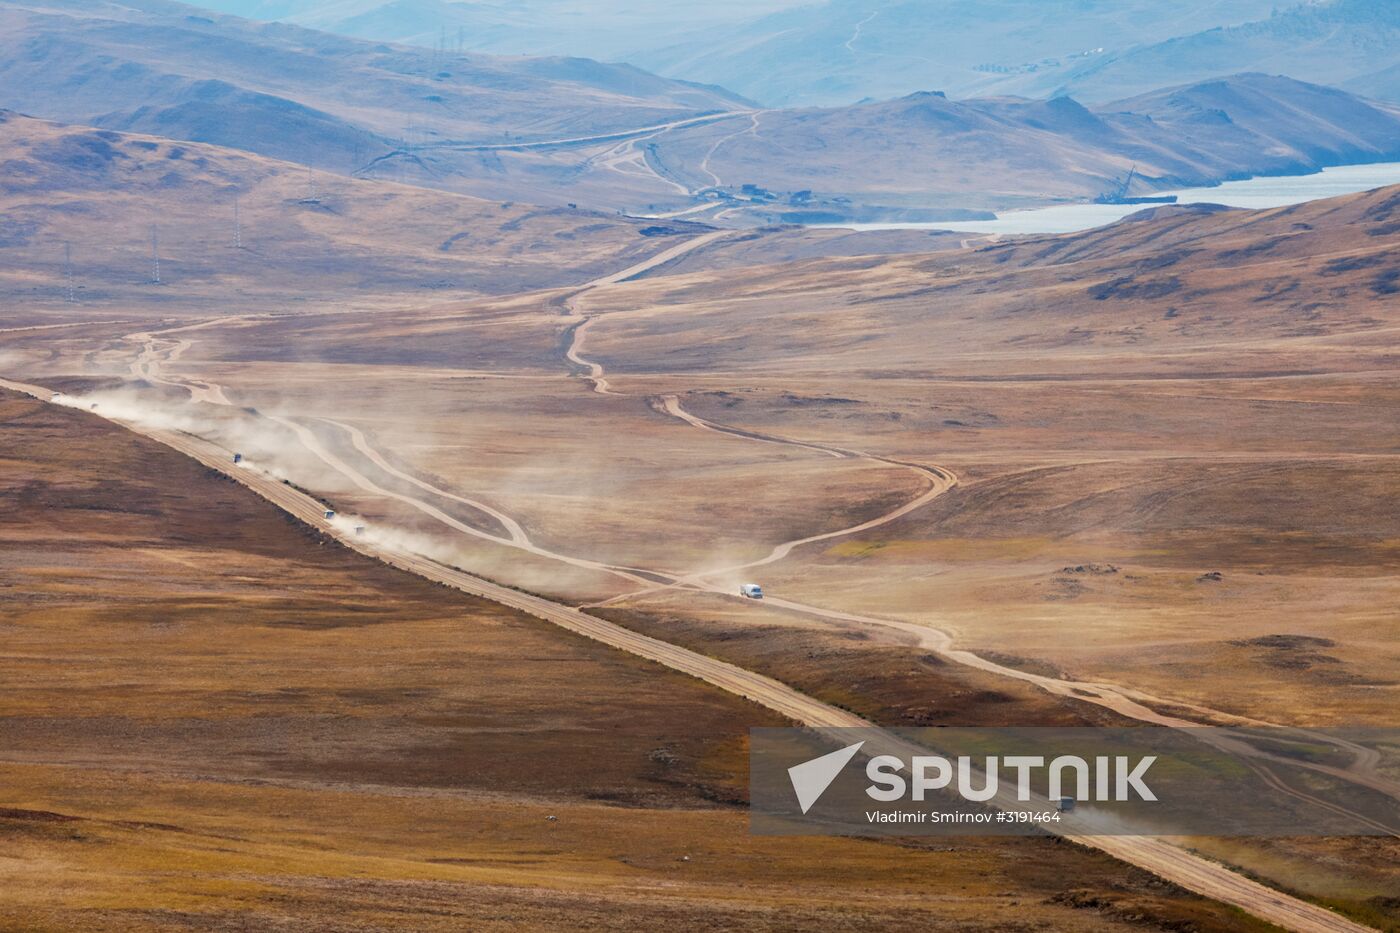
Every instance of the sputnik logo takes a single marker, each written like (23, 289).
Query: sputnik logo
(811, 778)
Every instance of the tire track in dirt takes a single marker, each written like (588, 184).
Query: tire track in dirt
(1124, 701)
(1133, 704)
(1127, 702)
(155, 353)
(357, 438)
(1165, 859)
(1192, 872)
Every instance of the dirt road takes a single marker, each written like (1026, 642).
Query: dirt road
(584, 140)
(651, 262)
(1126, 702)
(940, 480)
(574, 352)
(1155, 855)
(1129, 703)
(555, 143)
(1161, 858)
(357, 437)
(16, 330)
(158, 349)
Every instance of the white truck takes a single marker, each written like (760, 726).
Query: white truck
(751, 590)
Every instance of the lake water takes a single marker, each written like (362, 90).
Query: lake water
(1252, 192)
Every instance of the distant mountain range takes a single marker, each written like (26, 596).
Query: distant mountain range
(169, 69)
(928, 151)
(926, 157)
(238, 227)
(785, 53)
(1353, 44)
(604, 29)
(1097, 50)
(572, 131)
(841, 51)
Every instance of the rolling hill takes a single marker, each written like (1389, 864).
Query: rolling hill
(785, 53)
(168, 69)
(1165, 434)
(603, 29)
(566, 131)
(842, 51)
(1167, 279)
(237, 229)
(253, 728)
(927, 157)
(1353, 44)
(1134, 475)
(241, 233)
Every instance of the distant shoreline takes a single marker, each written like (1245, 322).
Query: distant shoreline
(1257, 192)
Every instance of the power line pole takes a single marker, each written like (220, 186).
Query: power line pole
(68, 272)
(155, 255)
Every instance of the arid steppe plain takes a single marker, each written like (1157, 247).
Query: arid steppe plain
(1124, 425)
(1155, 458)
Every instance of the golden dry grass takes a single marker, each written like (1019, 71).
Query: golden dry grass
(215, 719)
(303, 239)
(1129, 411)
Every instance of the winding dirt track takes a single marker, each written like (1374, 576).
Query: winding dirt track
(357, 437)
(16, 330)
(1127, 702)
(156, 352)
(715, 181)
(1152, 854)
(574, 352)
(311, 442)
(940, 481)
(671, 405)
(1161, 858)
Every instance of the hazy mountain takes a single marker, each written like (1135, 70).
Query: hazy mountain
(929, 157)
(1354, 44)
(471, 123)
(844, 50)
(300, 236)
(596, 28)
(166, 68)
(1383, 83)
(787, 53)
(925, 149)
